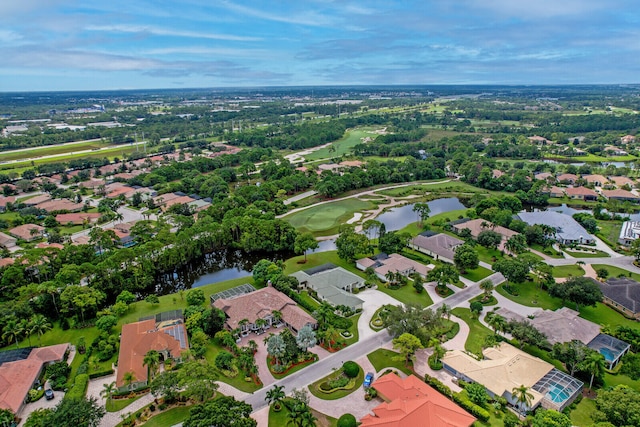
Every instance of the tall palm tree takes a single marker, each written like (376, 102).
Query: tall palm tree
(10, 331)
(296, 414)
(275, 396)
(277, 316)
(523, 397)
(594, 364)
(39, 325)
(151, 361)
(496, 321)
(108, 390)
(487, 288)
(307, 419)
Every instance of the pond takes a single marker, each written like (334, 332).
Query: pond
(213, 267)
(400, 217)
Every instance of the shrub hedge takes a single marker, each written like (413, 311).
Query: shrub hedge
(79, 387)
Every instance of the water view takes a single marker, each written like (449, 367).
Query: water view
(397, 218)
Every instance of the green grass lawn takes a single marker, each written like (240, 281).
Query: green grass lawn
(477, 274)
(326, 219)
(338, 394)
(477, 331)
(383, 358)
(50, 150)
(407, 294)
(611, 380)
(169, 418)
(238, 381)
(530, 294)
(281, 418)
(550, 252)
(604, 315)
(567, 271)
(609, 231)
(491, 301)
(581, 415)
(117, 404)
(488, 255)
(616, 271)
(597, 254)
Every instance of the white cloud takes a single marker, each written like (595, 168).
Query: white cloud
(308, 18)
(144, 29)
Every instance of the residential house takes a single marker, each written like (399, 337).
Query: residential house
(60, 205)
(7, 241)
(504, 368)
(5, 262)
(27, 232)
(162, 199)
(93, 183)
(477, 226)
(544, 176)
(181, 200)
(539, 140)
(567, 178)
(553, 191)
(620, 194)
(629, 232)
(19, 370)
(621, 181)
(615, 151)
(628, 139)
(496, 173)
(261, 304)
(36, 200)
(623, 294)
(382, 264)
(84, 218)
(597, 180)
(568, 230)
(332, 284)
(439, 246)
(125, 240)
(4, 201)
(165, 333)
(410, 402)
(582, 193)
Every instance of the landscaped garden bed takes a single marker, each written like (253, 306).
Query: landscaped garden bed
(340, 383)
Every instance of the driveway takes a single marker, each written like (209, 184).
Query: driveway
(43, 403)
(373, 300)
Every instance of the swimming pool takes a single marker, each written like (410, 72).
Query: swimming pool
(607, 353)
(557, 394)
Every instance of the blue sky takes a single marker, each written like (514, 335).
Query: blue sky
(128, 44)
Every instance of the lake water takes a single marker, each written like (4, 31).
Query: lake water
(400, 217)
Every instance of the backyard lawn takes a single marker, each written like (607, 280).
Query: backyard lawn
(477, 331)
(604, 315)
(477, 274)
(581, 415)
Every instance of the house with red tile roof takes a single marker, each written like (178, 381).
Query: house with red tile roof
(553, 191)
(169, 338)
(544, 176)
(4, 200)
(567, 178)
(25, 233)
(496, 173)
(628, 139)
(261, 304)
(410, 402)
(78, 218)
(620, 181)
(177, 201)
(60, 205)
(581, 193)
(597, 180)
(18, 376)
(41, 198)
(7, 241)
(620, 194)
(5, 262)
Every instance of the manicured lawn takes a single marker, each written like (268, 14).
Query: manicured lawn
(117, 404)
(407, 294)
(488, 255)
(324, 220)
(550, 252)
(383, 358)
(353, 329)
(614, 380)
(477, 331)
(616, 271)
(491, 301)
(238, 381)
(342, 146)
(169, 418)
(568, 271)
(281, 419)
(477, 274)
(604, 315)
(530, 294)
(304, 295)
(581, 416)
(609, 231)
(293, 369)
(338, 394)
(597, 254)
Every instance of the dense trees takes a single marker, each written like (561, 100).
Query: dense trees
(224, 411)
(466, 258)
(619, 406)
(578, 290)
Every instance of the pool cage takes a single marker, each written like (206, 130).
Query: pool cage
(559, 389)
(610, 347)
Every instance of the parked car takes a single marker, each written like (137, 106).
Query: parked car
(48, 393)
(368, 379)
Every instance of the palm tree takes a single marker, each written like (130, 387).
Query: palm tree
(487, 287)
(444, 311)
(108, 390)
(295, 415)
(277, 316)
(129, 378)
(275, 396)
(523, 397)
(11, 331)
(39, 325)
(496, 321)
(594, 364)
(261, 323)
(151, 361)
(307, 419)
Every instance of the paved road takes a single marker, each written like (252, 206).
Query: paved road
(625, 262)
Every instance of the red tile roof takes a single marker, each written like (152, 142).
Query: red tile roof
(136, 341)
(24, 231)
(60, 205)
(77, 218)
(580, 191)
(412, 403)
(17, 378)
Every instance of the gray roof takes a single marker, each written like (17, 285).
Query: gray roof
(567, 228)
(328, 283)
(624, 291)
(441, 244)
